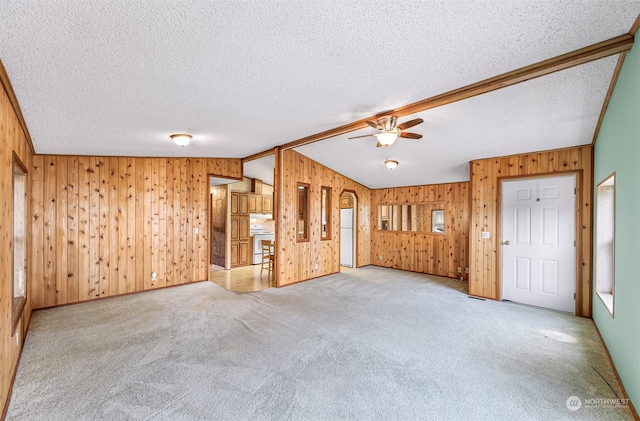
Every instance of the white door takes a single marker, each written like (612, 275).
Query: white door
(346, 237)
(538, 242)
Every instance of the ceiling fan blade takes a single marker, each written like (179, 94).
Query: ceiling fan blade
(358, 137)
(373, 124)
(409, 124)
(410, 135)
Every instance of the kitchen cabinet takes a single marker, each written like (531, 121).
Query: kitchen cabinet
(235, 255)
(255, 203)
(235, 203)
(267, 203)
(240, 229)
(244, 203)
(244, 254)
(346, 201)
(235, 228)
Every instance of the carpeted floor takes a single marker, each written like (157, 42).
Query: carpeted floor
(368, 344)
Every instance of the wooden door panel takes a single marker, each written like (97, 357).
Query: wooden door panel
(253, 203)
(235, 228)
(235, 203)
(267, 204)
(244, 253)
(244, 204)
(235, 254)
(244, 228)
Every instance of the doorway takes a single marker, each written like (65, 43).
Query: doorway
(538, 241)
(348, 206)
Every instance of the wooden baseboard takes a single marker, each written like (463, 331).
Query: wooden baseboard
(615, 371)
(119, 295)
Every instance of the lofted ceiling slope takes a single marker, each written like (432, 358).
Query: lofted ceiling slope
(106, 77)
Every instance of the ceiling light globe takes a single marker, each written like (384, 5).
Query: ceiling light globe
(391, 164)
(181, 139)
(387, 138)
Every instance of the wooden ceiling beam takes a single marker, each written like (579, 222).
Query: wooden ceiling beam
(259, 155)
(575, 58)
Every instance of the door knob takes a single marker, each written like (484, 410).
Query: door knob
(506, 243)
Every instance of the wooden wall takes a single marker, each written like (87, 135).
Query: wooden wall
(12, 139)
(436, 254)
(102, 225)
(485, 178)
(295, 261)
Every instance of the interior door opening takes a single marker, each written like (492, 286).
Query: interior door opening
(538, 244)
(348, 206)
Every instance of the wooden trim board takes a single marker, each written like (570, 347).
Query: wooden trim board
(607, 98)
(615, 372)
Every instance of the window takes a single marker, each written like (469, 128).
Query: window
(437, 221)
(19, 240)
(605, 240)
(302, 223)
(325, 214)
(425, 218)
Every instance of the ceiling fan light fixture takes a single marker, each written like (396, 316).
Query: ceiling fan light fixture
(181, 139)
(387, 138)
(391, 164)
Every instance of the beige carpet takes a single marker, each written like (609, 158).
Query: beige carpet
(367, 344)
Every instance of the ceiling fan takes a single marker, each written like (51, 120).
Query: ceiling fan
(390, 130)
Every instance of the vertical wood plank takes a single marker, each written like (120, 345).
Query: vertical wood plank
(72, 247)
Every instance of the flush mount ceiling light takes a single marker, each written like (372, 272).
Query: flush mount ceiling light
(391, 164)
(181, 139)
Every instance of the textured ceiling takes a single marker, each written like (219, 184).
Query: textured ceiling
(106, 77)
(555, 111)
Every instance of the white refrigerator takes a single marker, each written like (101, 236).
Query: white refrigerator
(346, 237)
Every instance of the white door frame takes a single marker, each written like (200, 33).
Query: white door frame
(578, 223)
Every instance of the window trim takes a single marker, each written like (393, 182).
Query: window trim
(18, 312)
(329, 212)
(306, 220)
(602, 295)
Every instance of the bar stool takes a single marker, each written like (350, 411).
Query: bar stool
(267, 257)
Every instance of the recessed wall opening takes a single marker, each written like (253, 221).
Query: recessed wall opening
(348, 231)
(19, 285)
(605, 240)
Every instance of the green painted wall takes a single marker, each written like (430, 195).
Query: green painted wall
(617, 150)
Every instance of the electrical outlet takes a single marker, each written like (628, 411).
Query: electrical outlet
(316, 266)
(154, 276)
(380, 257)
(459, 270)
(196, 230)
(485, 235)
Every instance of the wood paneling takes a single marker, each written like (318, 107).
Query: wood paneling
(14, 138)
(296, 261)
(105, 224)
(436, 254)
(484, 279)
